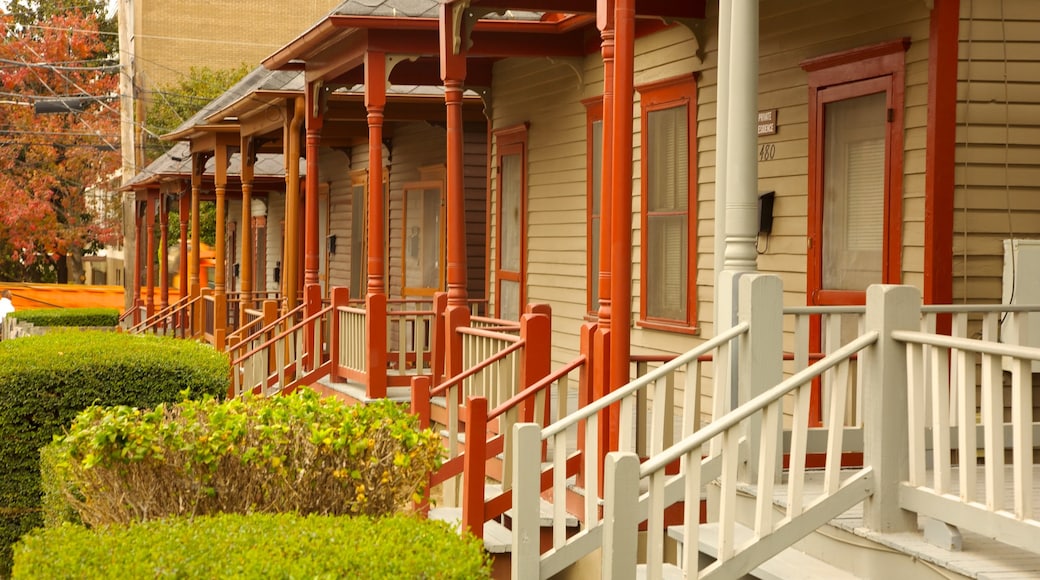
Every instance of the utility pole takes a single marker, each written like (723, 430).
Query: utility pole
(128, 135)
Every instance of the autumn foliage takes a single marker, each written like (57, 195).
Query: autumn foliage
(55, 167)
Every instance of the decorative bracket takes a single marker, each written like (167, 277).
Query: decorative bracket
(699, 28)
(575, 64)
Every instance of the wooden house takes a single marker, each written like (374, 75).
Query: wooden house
(710, 229)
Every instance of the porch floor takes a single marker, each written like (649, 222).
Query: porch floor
(981, 557)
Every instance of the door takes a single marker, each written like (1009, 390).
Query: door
(855, 184)
(510, 223)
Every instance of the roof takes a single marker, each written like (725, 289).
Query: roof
(415, 9)
(177, 163)
(258, 79)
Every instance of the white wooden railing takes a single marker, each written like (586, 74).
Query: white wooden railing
(959, 398)
(527, 561)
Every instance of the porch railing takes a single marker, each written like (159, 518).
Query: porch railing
(499, 368)
(584, 424)
(970, 466)
(176, 319)
(285, 353)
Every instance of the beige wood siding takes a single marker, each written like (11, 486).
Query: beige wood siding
(333, 169)
(475, 149)
(998, 141)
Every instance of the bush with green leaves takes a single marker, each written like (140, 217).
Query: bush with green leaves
(77, 317)
(255, 546)
(295, 453)
(45, 381)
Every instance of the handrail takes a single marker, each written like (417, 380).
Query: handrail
(486, 333)
(283, 334)
(665, 369)
(973, 344)
(273, 324)
(241, 330)
(181, 304)
(734, 417)
(441, 388)
(539, 385)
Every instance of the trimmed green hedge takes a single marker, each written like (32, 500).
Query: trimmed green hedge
(80, 317)
(255, 546)
(45, 381)
(297, 453)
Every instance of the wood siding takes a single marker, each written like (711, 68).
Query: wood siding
(998, 141)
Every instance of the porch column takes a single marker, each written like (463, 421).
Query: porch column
(138, 259)
(149, 220)
(291, 237)
(721, 144)
(375, 299)
(621, 193)
(164, 252)
(453, 74)
(182, 269)
(198, 165)
(741, 158)
(315, 120)
(220, 257)
(600, 375)
(248, 162)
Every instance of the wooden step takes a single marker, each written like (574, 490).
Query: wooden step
(545, 508)
(790, 564)
(497, 538)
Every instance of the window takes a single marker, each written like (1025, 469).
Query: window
(358, 231)
(594, 167)
(668, 218)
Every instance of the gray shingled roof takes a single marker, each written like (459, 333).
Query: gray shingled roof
(177, 162)
(414, 9)
(256, 80)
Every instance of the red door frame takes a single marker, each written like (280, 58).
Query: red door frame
(511, 141)
(831, 78)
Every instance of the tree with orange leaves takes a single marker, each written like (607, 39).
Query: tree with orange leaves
(59, 138)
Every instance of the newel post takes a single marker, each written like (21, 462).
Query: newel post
(375, 350)
(761, 303)
(885, 422)
(340, 299)
(536, 357)
(526, 549)
(421, 409)
(474, 461)
(438, 337)
(620, 519)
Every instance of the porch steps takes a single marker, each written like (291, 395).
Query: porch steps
(790, 564)
(498, 539)
(356, 393)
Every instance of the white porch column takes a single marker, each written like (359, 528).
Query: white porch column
(741, 156)
(721, 143)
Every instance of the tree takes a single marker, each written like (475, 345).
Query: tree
(172, 104)
(54, 168)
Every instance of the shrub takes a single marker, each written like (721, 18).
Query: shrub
(295, 453)
(254, 546)
(70, 316)
(45, 381)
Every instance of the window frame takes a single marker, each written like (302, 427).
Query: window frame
(670, 93)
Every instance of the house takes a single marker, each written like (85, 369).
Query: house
(833, 147)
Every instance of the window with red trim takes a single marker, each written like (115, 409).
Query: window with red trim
(511, 222)
(668, 216)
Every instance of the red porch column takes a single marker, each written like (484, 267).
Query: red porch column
(375, 299)
(940, 146)
(621, 196)
(453, 73)
(164, 252)
(246, 268)
(139, 252)
(315, 120)
(182, 269)
(291, 238)
(198, 165)
(220, 257)
(599, 375)
(149, 220)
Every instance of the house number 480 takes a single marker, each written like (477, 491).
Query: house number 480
(767, 152)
